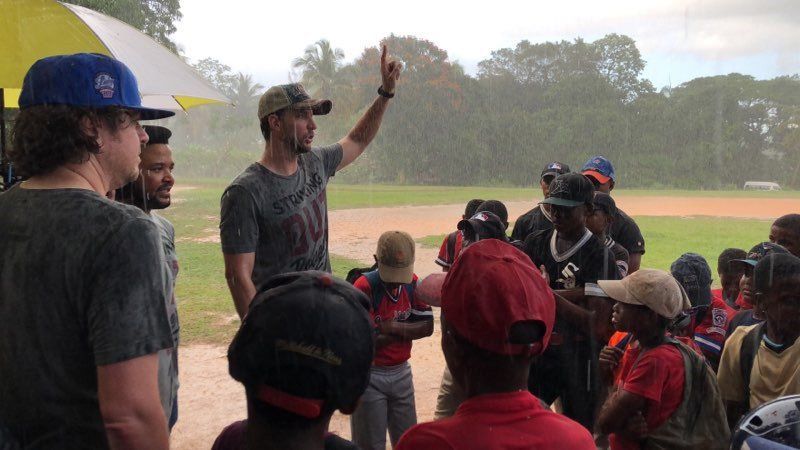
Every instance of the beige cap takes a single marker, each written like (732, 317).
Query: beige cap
(396, 257)
(290, 95)
(653, 288)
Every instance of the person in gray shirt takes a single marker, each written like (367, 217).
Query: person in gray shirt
(82, 298)
(151, 191)
(274, 215)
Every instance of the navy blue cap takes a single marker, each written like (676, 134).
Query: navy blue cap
(483, 225)
(88, 80)
(694, 274)
(554, 169)
(599, 165)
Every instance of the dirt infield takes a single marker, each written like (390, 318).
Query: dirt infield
(209, 399)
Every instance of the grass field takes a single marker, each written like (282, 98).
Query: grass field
(206, 310)
(666, 238)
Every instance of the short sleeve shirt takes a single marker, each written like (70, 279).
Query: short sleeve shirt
(531, 222)
(449, 250)
(773, 374)
(658, 376)
(400, 307)
(282, 219)
(625, 231)
(81, 285)
(512, 420)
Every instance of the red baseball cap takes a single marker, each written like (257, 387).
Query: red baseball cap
(491, 287)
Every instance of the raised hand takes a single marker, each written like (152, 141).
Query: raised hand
(390, 72)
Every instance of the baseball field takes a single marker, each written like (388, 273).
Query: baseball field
(672, 222)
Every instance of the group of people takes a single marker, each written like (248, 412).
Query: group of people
(554, 337)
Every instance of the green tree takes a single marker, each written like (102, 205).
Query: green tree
(156, 18)
(320, 63)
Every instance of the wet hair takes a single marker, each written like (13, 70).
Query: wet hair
(773, 269)
(157, 134)
(790, 222)
(264, 123)
(46, 137)
(496, 207)
(727, 255)
(472, 207)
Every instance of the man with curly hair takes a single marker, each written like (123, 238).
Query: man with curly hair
(82, 291)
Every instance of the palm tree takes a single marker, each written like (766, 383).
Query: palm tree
(319, 65)
(244, 92)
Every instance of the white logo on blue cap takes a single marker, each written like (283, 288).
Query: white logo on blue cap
(104, 84)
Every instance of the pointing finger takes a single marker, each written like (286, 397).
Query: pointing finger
(383, 56)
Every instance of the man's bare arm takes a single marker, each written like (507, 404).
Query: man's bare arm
(238, 273)
(357, 140)
(130, 406)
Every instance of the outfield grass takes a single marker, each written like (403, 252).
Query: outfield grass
(666, 238)
(206, 309)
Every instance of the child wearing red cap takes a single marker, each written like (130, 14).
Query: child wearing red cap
(497, 314)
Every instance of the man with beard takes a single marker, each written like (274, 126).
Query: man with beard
(149, 192)
(274, 215)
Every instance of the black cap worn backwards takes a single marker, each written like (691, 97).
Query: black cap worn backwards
(758, 252)
(305, 345)
(483, 225)
(570, 190)
(694, 274)
(554, 169)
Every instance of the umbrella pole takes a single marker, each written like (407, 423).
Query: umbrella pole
(3, 161)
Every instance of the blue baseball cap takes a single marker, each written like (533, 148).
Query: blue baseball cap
(694, 274)
(88, 80)
(599, 168)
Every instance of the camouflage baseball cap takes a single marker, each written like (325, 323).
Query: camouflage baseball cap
(290, 96)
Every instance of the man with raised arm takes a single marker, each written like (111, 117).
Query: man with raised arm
(274, 214)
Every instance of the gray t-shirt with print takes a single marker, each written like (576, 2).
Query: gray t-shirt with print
(81, 286)
(282, 219)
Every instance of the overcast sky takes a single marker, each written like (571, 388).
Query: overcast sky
(679, 39)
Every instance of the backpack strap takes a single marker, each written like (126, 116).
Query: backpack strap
(376, 287)
(747, 356)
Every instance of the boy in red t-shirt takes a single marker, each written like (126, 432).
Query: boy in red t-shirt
(651, 374)
(497, 314)
(729, 277)
(398, 319)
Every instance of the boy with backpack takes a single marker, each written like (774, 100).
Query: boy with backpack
(398, 318)
(665, 395)
(762, 362)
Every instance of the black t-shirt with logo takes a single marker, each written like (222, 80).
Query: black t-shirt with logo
(625, 231)
(586, 262)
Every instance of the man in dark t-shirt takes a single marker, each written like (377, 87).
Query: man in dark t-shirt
(538, 218)
(573, 259)
(82, 287)
(274, 215)
(600, 222)
(624, 229)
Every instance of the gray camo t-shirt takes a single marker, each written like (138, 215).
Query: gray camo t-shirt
(81, 286)
(283, 220)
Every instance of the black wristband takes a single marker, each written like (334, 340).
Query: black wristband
(383, 93)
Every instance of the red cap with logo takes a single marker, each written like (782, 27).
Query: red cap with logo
(491, 287)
